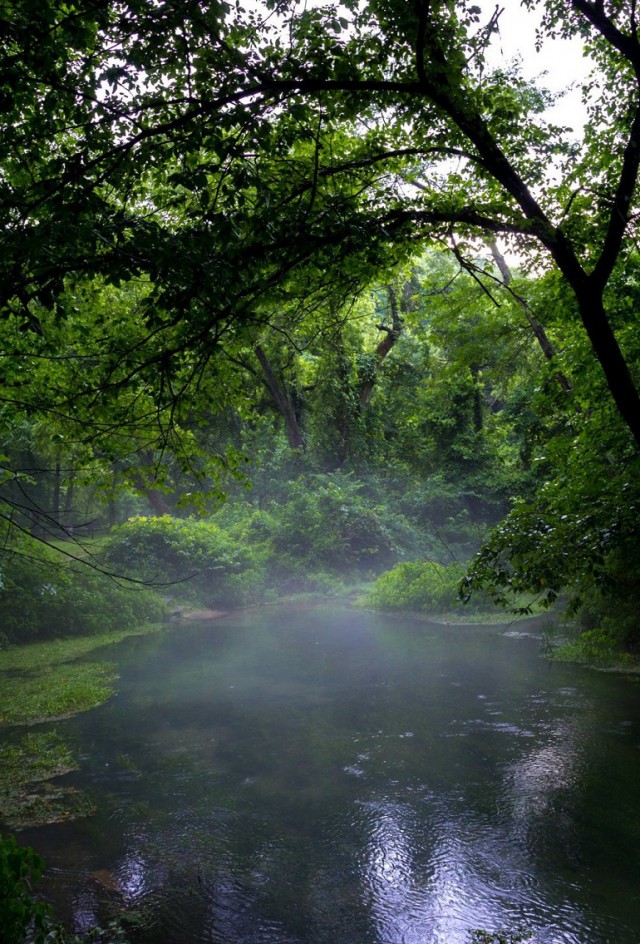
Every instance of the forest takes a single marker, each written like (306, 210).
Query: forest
(310, 300)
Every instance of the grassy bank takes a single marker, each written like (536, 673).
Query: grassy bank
(43, 682)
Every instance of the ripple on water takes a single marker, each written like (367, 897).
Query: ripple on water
(473, 725)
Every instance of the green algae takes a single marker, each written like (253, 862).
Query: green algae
(42, 682)
(45, 681)
(27, 797)
(38, 655)
(57, 692)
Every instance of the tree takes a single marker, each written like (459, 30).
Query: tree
(206, 142)
(233, 166)
(426, 66)
(576, 533)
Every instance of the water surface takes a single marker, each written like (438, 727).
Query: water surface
(318, 775)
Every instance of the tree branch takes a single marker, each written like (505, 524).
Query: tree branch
(619, 217)
(594, 13)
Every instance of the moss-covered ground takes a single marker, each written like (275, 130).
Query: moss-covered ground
(43, 655)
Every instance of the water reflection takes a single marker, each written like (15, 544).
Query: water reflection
(423, 885)
(538, 778)
(463, 876)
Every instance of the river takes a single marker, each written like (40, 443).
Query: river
(324, 775)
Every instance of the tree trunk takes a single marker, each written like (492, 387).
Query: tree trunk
(391, 336)
(611, 358)
(154, 496)
(538, 330)
(68, 496)
(57, 481)
(478, 410)
(344, 411)
(282, 400)
(157, 501)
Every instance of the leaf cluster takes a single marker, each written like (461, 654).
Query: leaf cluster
(20, 869)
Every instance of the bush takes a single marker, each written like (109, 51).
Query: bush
(113, 933)
(327, 524)
(580, 543)
(192, 558)
(455, 513)
(594, 647)
(22, 918)
(248, 527)
(422, 586)
(607, 616)
(44, 596)
(20, 868)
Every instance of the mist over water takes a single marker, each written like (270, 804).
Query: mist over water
(319, 775)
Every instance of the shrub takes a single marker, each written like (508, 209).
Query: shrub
(423, 586)
(327, 523)
(43, 596)
(456, 513)
(248, 527)
(22, 918)
(20, 868)
(193, 557)
(113, 933)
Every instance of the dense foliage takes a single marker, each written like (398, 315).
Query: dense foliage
(189, 558)
(20, 869)
(333, 265)
(422, 586)
(282, 235)
(43, 596)
(316, 530)
(23, 918)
